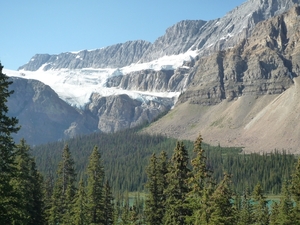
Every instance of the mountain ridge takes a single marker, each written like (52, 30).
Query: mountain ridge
(250, 55)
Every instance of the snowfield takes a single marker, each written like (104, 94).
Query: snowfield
(76, 86)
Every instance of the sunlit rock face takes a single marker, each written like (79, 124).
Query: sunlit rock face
(252, 51)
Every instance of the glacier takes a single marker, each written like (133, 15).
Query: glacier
(77, 85)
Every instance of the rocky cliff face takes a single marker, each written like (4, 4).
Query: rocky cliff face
(152, 81)
(120, 112)
(263, 64)
(247, 95)
(114, 56)
(43, 116)
(218, 34)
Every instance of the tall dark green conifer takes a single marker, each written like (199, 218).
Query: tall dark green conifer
(8, 126)
(95, 192)
(199, 183)
(153, 201)
(274, 218)
(28, 186)
(245, 216)
(286, 210)
(108, 205)
(295, 190)
(80, 206)
(64, 190)
(260, 207)
(222, 210)
(176, 192)
(125, 216)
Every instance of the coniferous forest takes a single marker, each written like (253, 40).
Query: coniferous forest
(91, 179)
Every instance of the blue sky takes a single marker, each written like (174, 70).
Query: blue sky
(55, 26)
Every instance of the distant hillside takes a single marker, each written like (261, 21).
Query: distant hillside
(126, 155)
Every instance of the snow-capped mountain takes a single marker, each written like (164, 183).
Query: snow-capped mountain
(127, 84)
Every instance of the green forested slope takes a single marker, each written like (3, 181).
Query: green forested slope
(125, 155)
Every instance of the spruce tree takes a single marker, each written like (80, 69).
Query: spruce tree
(64, 190)
(245, 216)
(8, 125)
(260, 207)
(286, 213)
(48, 186)
(108, 205)
(27, 185)
(274, 216)
(177, 190)
(295, 190)
(125, 215)
(153, 201)
(95, 192)
(295, 186)
(199, 183)
(222, 210)
(80, 206)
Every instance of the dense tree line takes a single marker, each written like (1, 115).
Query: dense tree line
(192, 196)
(21, 199)
(125, 155)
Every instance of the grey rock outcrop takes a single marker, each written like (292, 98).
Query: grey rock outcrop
(121, 112)
(114, 56)
(153, 81)
(179, 38)
(264, 64)
(43, 116)
(219, 34)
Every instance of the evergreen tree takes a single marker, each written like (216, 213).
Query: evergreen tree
(260, 208)
(222, 210)
(245, 216)
(48, 186)
(286, 214)
(163, 167)
(108, 205)
(27, 185)
(95, 193)
(199, 182)
(125, 216)
(64, 190)
(274, 217)
(133, 215)
(80, 206)
(295, 190)
(9, 206)
(295, 187)
(176, 192)
(155, 185)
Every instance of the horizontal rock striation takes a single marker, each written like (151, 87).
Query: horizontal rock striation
(264, 64)
(152, 81)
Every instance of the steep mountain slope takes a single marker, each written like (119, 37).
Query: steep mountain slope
(247, 95)
(43, 116)
(218, 34)
(241, 58)
(114, 56)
